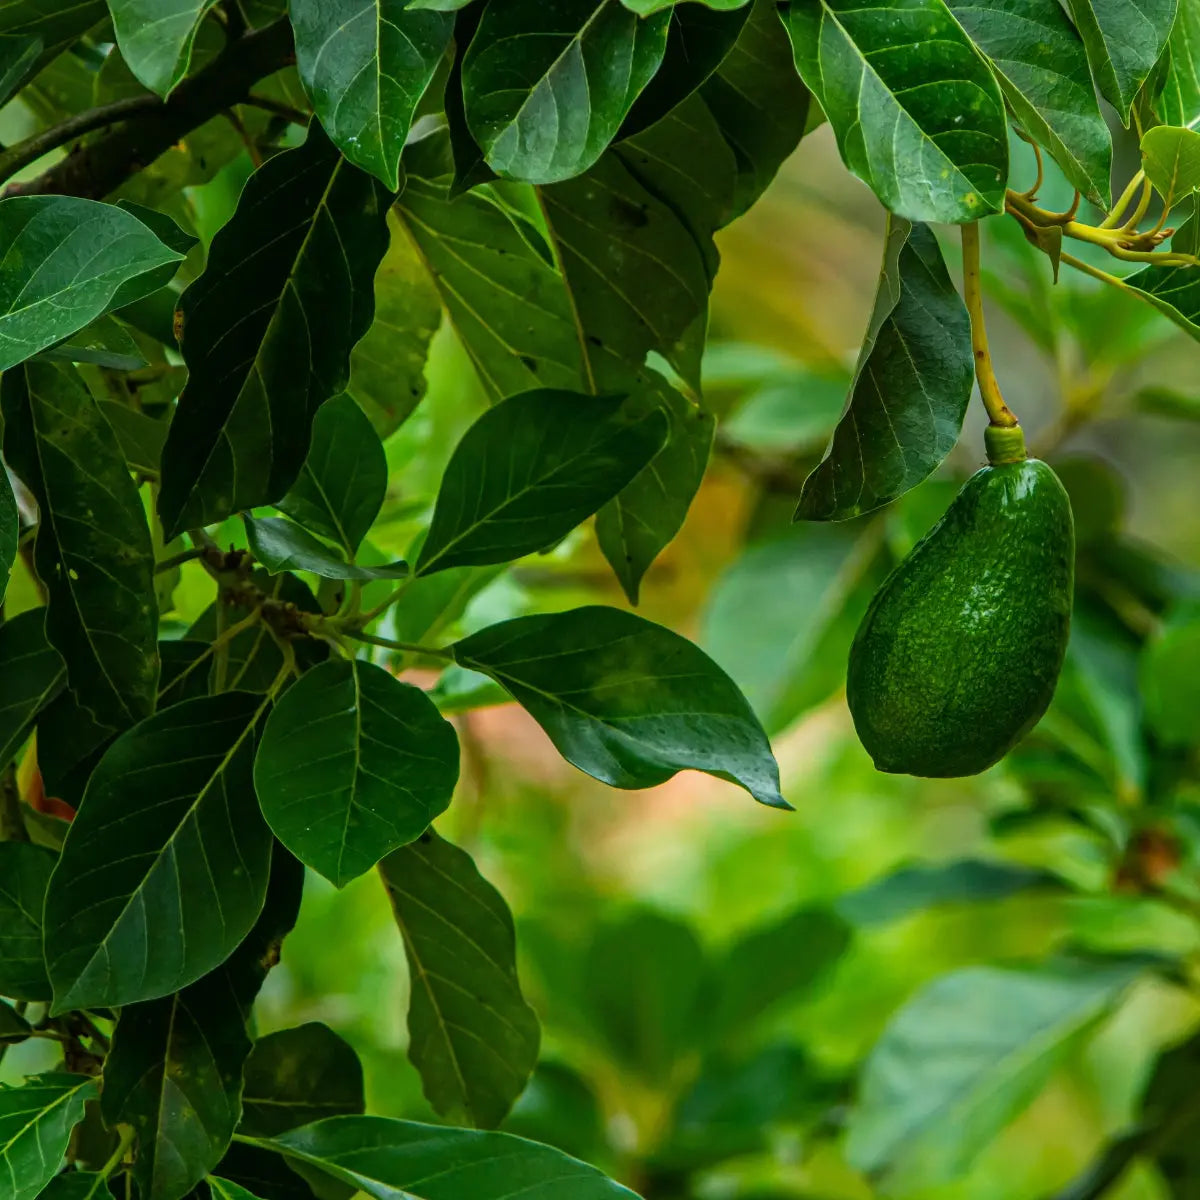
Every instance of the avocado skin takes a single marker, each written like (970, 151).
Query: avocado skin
(958, 655)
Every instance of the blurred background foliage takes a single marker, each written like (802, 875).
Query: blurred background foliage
(711, 974)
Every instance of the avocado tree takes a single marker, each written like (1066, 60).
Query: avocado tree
(229, 233)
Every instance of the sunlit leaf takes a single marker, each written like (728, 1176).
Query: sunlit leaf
(1171, 160)
(156, 38)
(36, 1120)
(280, 545)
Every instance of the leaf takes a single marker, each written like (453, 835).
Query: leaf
(280, 545)
(35, 1126)
(93, 549)
(387, 368)
(174, 1072)
(910, 391)
(916, 888)
(341, 486)
(643, 517)
(773, 964)
(546, 90)
(353, 763)
(77, 1185)
(627, 701)
(225, 1189)
(105, 342)
(381, 1156)
(560, 1108)
(964, 1056)
(13, 1027)
(365, 65)
(643, 985)
(1171, 160)
(1179, 103)
(170, 809)
(1038, 59)
(645, 8)
(10, 530)
(68, 261)
(35, 32)
(1168, 1119)
(471, 1035)
(156, 38)
(698, 39)
(296, 1076)
(1168, 680)
(24, 873)
(268, 329)
(1174, 291)
(531, 469)
(1124, 40)
(140, 437)
(916, 112)
(808, 591)
(33, 675)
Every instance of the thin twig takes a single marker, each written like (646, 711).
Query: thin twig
(407, 647)
(278, 108)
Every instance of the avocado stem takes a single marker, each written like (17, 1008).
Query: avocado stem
(999, 414)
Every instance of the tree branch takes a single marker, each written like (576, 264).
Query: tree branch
(95, 170)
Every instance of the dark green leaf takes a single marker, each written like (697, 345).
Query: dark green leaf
(808, 590)
(964, 1056)
(1039, 62)
(10, 528)
(163, 226)
(93, 549)
(353, 763)
(1174, 291)
(264, 1173)
(105, 342)
(381, 1157)
(170, 813)
(531, 469)
(1124, 42)
(1170, 1118)
(366, 64)
(1179, 103)
(67, 262)
(13, 1028)
(175, 1069)
(141, 437)
(78, 1185)
(546, 89)
(341, 486)
(910, 390)
(35, 1126)
(268, 329)
(33, 674)
(69, 743)
(24, 874)
(698, 40)
(471, 1035)
(560, 1108)
(299, 1075)
(636, 525)
(280, 545)
(773, 964)
(226, 1189)
(917, 114)
(644, 982)
(1170, 680)
(156, 38)
(33, 32)
(759, 103)
(627, 701)
(966, 881)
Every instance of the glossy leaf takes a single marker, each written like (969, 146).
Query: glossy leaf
(36, 1120)
(280, 545)
(226, 1189)
(910, 390)
(67, 261)
(366, 65)
(381, 1157)
(156, 38)
(639, 522)
(33, 675)
(1124, 41)
(93, 549)
(1179, 103)
(341, 486)
(964, 1056)
(1038, 59)
(546, 88)
(627, 701)
(808, 590)
(531, 469)
(24, 874)
(169, 812)
(268, 329)
(917, 888)
(1171, 160)
(9, 530)
(174, 1072)
(296, 1076)
(917, 114)
(471, 1035)
(105, 342)
(353, 763)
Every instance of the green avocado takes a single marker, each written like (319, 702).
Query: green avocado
(958, 654)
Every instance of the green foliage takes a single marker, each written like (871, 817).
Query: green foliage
(357, 378)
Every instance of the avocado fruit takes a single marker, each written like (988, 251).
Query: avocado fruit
(959, 652)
